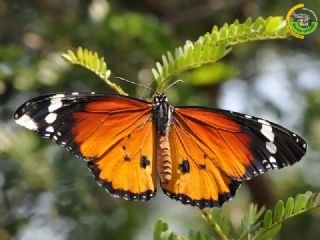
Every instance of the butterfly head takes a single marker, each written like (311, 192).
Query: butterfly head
(160, 99)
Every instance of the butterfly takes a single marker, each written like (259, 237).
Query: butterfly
(201, 154)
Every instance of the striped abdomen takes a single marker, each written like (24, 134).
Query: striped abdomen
(164, 160)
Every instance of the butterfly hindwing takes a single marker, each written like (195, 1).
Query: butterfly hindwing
(195, 179)
(128, 168)
(114, 133)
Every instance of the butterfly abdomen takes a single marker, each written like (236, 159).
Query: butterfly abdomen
(164, 160)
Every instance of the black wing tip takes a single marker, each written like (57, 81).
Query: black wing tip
(206, 203)
(272, 146)
(127, 195)
(22, 110)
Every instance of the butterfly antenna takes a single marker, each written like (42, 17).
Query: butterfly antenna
(145, 87)
(144, 90)
(175, 82)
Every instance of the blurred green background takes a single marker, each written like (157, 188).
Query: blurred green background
(46, 193)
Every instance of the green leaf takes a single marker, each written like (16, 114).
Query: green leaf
(162, 232)
(316, 201)
(252, 226)
(91, 61)
(213, 46)
(159, 228)
(273, 24)
(197, 236)
(248, 22)
(278, 211)
(258, 24)
(220, 226)
(270, 233)
(249, 222)
(267, 220)
(172, 236)
(289, 207)
(301, 204)
(310, 200)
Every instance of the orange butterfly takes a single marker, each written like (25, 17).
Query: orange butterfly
(201, 154)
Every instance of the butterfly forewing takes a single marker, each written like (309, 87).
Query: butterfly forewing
(114, 133)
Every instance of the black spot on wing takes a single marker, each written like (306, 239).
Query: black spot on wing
(202, 166)
(144, 162)
(184, 166)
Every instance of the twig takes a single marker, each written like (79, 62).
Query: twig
(214, 225)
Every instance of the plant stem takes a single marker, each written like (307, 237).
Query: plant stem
(214, 225)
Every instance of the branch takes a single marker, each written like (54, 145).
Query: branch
(91, 61)
(213, 46)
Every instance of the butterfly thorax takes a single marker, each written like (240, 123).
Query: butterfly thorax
(162, 114)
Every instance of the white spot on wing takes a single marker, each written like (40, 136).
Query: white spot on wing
(271, 147)
(27, 122)
(266, 130)
(60, 95)
(50, 129)
(55, 103)
(272, 159)
(75, 93)
(248, 116)
(51, 117)
(264, 122)
(304, 145)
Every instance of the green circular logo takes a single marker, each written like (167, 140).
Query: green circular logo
(302, 21)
